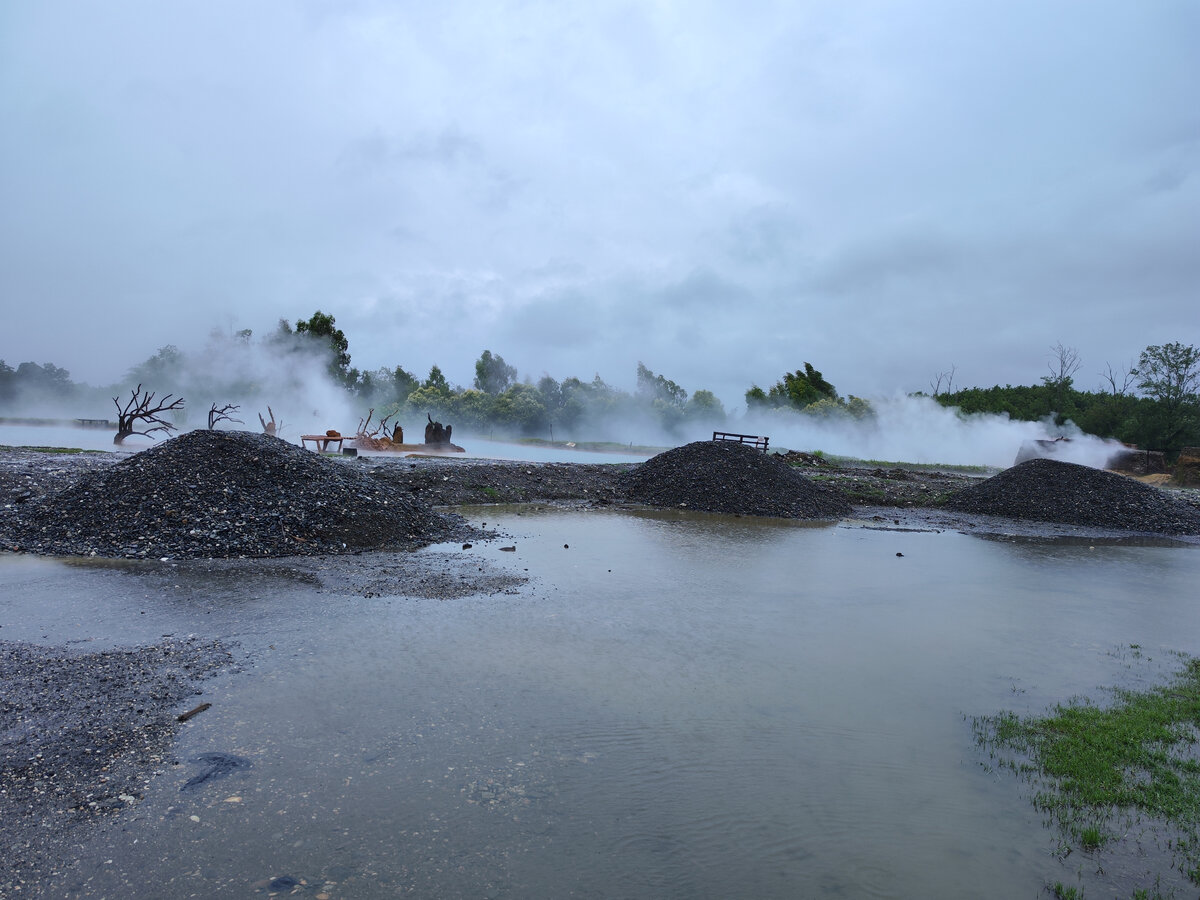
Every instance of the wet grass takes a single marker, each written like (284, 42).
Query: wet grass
(1092, 765)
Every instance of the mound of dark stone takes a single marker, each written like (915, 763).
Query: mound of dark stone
(1048, 490)
(724, 477)
(214, 494)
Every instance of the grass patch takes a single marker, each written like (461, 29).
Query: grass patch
(1090, 763)
(915, 467)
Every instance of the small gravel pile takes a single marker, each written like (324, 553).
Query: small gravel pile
(721, 476)
(216, 494)
(81, 734)
(1048, 490)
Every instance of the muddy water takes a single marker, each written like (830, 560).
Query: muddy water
(676, 706)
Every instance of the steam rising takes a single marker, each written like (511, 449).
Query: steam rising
(921, 430)
(294, 381)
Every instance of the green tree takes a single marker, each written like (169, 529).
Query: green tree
(492, 374)
(658, 389)
(8, 388)
(520, 408)
(705, 406)
(1170, 374)
(323, 329)
(433, 394)
(436, 381)
(757, 399)
(472, 410)
(1064, 363)
(164, 369)
(800, 389)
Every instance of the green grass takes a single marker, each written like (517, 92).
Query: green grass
(853, 462)
(1062, 892)
(1091, 762)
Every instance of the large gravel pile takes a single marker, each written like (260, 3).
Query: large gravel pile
(721, 476)
(213, 494)
(80, 736)
(1047, 490)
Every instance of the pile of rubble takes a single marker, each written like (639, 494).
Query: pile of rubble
(215, 494)
(1047, 490)
(726, 477)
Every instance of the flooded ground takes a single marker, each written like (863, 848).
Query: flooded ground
(674, 706)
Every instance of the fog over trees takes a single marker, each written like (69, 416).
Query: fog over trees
(1151, 403)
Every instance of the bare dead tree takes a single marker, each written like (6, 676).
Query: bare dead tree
(364, 424)
(141, 408)
(222, 414)
(1064, 363)
(1120, 382)
(943, 379)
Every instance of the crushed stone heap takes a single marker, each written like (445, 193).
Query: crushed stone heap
(216, 494)
(1048, 490)
(724, 477)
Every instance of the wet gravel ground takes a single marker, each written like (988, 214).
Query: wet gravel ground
(81, 735)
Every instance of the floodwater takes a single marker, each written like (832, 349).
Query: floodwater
(677, 705)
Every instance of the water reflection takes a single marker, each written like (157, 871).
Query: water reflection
(678, 705)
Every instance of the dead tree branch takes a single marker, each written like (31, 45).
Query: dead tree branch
(141, 408)
(222, 414)
(270, 427)
(944, 382)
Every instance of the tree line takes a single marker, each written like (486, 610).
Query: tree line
(497, 400)
(1153, 403)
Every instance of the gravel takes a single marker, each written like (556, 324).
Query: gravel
(218, 494)
(1047, 490)
(458, 482)
(724, 477)
(81, 735)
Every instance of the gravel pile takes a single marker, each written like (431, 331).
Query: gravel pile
(80, 735)
(721, 476)
(456, 482)
(216, 494)
(1047, 490)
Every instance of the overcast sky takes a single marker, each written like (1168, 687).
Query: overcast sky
(722, 191)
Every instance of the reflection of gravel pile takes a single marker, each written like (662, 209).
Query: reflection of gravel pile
(721, 476)
(221, 494)
(1051, 491)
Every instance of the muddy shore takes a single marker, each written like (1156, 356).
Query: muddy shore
(80, 734)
